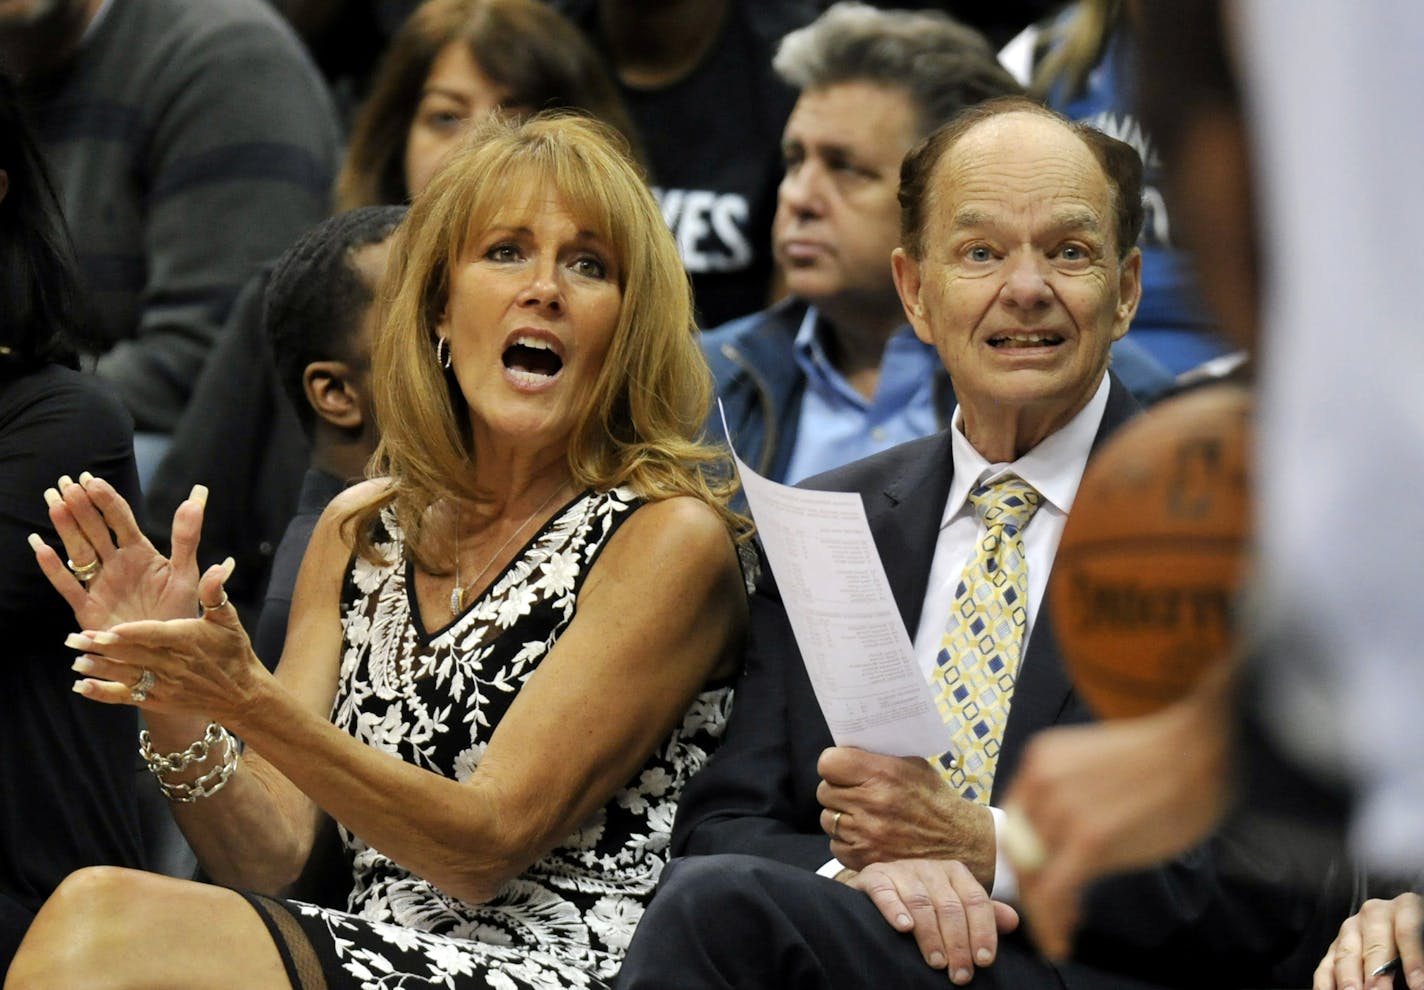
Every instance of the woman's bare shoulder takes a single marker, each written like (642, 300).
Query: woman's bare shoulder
(331, 528)
(682, 526)
(359, 494)
(355, 497)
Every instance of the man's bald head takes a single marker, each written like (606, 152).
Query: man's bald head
(1120, 164)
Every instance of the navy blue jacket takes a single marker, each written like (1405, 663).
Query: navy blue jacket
(1221, 915)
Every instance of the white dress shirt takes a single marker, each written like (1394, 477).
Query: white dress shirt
(1054, 468)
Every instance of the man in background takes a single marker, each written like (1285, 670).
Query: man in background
(321, 316)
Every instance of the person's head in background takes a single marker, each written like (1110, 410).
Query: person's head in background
(872, 83)
(1192, 105)
(41, 318)
(321, 310)
(453, 62)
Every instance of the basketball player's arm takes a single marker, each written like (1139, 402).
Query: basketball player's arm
(895, 808)
(1114, 796)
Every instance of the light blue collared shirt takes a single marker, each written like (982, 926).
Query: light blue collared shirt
(837, 424)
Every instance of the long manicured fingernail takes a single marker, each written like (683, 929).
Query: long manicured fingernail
(83, 665)
(78, 641)
(85, 477)
(229, 565)
(199, 494)
(35, 541)
(65, 481)
(104, 638)
(80, 687)
(52, 497)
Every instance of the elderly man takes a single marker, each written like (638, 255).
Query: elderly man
(1017, 262)
(834, 373)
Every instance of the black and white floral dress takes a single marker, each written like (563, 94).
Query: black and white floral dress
(434, 699)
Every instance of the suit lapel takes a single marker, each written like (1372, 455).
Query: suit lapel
(904, 517)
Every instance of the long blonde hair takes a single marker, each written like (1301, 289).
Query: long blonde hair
(1072, 46)
(644, 423)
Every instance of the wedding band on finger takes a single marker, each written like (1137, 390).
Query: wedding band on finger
(84, 572)
(836, 825)
(1022, 843)
(144, 684)
(211, 608)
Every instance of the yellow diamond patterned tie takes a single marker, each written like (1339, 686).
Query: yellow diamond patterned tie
(983, 640)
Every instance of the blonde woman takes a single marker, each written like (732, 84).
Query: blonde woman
(501, 660)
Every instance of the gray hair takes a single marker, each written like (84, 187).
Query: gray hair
(942, 64)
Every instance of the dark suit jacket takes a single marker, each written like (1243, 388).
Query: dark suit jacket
(1182, 924)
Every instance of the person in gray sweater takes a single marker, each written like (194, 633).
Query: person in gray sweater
(190, 141)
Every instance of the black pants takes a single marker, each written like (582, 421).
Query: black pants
(745, 922)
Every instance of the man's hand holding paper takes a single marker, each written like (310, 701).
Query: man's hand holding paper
(838, 601)
(894, 807)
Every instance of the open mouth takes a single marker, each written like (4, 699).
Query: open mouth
(1012, 341)
(533, 359)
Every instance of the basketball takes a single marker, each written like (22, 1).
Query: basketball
(1145, 583)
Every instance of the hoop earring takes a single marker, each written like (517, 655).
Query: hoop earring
(442, 352)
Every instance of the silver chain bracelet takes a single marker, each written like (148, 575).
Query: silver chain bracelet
(206, 785)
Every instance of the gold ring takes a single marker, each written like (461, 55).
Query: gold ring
(84, 572)
(836, 825)
(210, 608)
(144, 684)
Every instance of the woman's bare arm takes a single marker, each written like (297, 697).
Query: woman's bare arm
(661, 610)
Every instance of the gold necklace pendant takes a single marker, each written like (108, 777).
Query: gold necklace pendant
(457, 593)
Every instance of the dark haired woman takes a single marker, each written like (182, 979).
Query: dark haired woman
(67, 780)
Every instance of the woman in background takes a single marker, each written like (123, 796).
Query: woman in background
(67, 780)
(453, 62)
